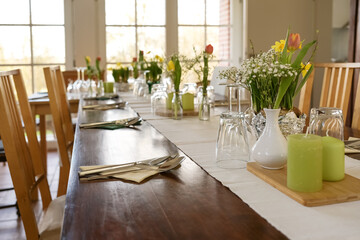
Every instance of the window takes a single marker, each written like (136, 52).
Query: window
(202, 22)
(141, 25)
(133, 25)
(32, 38)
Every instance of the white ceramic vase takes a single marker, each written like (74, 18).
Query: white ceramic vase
(270, 150)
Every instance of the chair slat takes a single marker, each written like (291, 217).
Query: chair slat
(60, 110)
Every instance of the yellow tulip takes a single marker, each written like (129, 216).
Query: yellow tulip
(171, 66)
(305, 69)
(88, 59)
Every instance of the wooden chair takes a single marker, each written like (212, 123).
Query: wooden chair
(24, 159)
(336, 87)
(355, 124)
(60, 110)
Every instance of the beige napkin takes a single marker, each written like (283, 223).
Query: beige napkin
(132, 173)
(350, 150)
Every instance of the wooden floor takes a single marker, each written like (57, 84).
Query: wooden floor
(10, 224)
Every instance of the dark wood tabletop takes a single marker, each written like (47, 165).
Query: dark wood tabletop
(184, 203)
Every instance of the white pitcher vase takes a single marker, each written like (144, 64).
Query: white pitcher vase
(270, 150)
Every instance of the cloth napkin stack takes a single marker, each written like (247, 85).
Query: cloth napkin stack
(351, 150)
(104, 97)
(136, 172)
(123, 123)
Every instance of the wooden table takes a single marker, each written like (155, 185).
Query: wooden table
(186, 203)
(41, 107)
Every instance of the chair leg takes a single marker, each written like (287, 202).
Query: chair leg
(63, 177)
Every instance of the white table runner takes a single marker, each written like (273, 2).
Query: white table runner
(198, 139)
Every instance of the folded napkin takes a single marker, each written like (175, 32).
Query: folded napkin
(117, 105)
(113, 126)
(127, 122)
(352, 150)
(104, 97)
(135, 173)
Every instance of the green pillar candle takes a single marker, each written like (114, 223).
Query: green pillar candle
(333, 159)
(109, 87)
(169, 100)
(188, 101)
(304, 163)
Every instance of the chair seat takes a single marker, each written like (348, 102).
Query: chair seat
(51, 221)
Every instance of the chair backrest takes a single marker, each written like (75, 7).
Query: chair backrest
(355, 124)
(336, 87)
(22, 154)
(60, 110)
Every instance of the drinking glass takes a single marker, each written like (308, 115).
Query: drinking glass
(232, 146)
(327, 121)
(158, 99)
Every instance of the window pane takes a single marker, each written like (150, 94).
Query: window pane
(151, 12)
(120, 44)
(219, 38)
(10, 12)
(15, 45)
(40, 84)
(191, 12)
(152, 39)
(190, 37)
(47, 12)
(120, 12)
(218, 12)
(49, 44)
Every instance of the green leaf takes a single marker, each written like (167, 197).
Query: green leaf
(301, 55)
(303, 81)
(283, 56)
(284, 85)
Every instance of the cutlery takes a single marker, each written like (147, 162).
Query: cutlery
(126, 166)
(168, 165)
(106, 106)
(126, 122)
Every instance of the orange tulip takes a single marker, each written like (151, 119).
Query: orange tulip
(209, 49)
(294, 42)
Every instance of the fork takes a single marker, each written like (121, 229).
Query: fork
(125, 122)
(151, 162)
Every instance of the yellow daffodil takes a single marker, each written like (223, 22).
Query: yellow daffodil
(110, 68)
(118, 64)
(160, 59)
(305, 69)
(279, 46)
(171, 66)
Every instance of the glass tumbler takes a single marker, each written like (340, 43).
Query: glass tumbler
(327, 121)
(232, 146)
(158, 99)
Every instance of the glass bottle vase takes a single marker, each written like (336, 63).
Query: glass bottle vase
(204, 108)
(177, 109)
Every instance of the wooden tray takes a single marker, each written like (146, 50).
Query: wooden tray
(345, 190)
